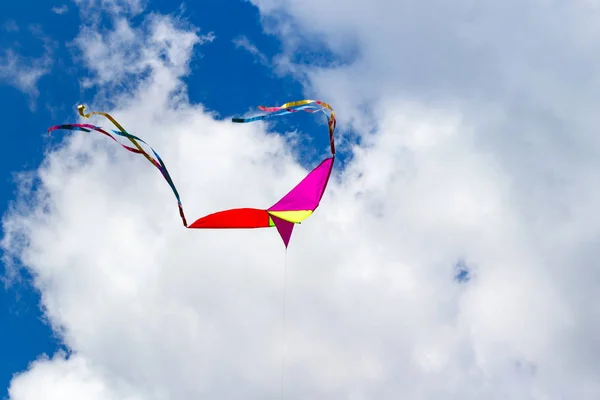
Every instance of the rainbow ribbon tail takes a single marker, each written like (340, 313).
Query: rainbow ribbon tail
(310, 106)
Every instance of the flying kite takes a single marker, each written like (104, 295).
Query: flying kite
(297, 205)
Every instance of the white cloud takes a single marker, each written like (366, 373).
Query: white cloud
(122, 55)
(487, 56)
(61, 378)
(448, 172)
(60, 10)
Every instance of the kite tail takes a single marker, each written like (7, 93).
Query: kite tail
(157, 162)
(310, 106)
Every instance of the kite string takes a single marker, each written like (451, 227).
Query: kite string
(284, 323)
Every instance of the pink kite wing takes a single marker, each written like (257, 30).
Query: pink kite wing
(308, 193)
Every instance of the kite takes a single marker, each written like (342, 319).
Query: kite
(293, 208)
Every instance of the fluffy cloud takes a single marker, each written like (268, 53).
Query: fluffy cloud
(456, 167)
(509, 55)
(120, 56)
(72, 378)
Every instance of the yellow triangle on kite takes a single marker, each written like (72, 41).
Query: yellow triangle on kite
(292, 216)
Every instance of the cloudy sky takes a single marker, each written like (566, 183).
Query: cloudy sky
(454, 254)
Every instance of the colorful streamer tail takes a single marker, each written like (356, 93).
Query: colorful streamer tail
(311, 106)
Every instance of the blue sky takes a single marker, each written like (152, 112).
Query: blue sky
(454, 251)
(225, 77)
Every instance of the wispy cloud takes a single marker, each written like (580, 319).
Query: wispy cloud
(62, 9)
(242, 42)
(10, 26)
(24, 72)
(115, 7)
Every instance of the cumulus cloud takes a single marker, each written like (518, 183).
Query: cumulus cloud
(501, 58)
(119, 57)
(451, 168)
(72, 378)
